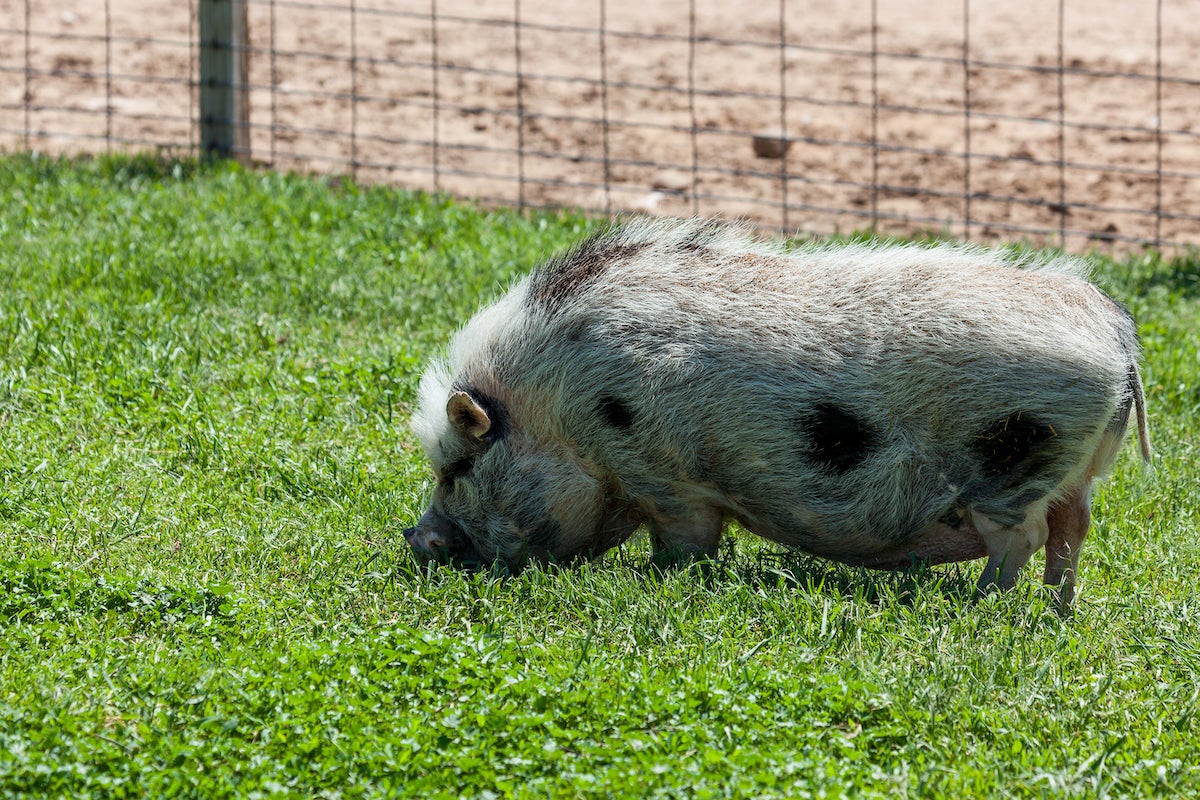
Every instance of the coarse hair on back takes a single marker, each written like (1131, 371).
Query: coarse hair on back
(663, 241)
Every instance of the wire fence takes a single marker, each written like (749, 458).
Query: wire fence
(1072, 124)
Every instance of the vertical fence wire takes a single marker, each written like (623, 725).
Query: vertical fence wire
(27, 93)
(108, 73)
(966, 89)
(354, 93)
(436, 95)
(691, 101)
(1158, 123)
(520, 75)
(874, 115)
(1062, 126)
(193, 83)
(273, 66)
(783, 126)
(604, 106)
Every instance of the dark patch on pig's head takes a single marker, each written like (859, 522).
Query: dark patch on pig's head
(836, 439)
(615, 413)
(564, 277)
(1013, 447)
(456, 469)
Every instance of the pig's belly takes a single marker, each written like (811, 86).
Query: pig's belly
(937, 543)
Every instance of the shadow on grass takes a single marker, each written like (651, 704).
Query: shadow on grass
(776, 571)
(795, 571)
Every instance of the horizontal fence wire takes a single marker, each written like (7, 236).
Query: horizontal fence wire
(1074, 128)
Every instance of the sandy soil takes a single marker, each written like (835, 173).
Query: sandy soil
(639, 118)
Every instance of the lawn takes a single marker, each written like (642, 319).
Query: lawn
(206, 376)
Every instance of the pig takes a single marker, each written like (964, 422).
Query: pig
(875, 404)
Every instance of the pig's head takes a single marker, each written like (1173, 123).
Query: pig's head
(500, 496)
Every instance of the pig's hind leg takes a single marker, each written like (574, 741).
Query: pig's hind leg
(1071, 515)
(1069, 519)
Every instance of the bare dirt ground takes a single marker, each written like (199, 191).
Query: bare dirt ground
(657, 112)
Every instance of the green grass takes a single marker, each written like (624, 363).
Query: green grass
(205, 381)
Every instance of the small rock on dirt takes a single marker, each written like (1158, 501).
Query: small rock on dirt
(770, 144)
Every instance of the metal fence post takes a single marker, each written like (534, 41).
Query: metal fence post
(224, 80)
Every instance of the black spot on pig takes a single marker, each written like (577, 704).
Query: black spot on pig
(837, 440)
(564, 277)
(615, 413)
(1015, 448)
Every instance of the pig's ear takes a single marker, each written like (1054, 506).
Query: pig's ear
(467, 415)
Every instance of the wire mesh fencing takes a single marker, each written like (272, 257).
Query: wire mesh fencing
(1071, 124)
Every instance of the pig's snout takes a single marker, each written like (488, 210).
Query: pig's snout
(440, 544)
(410, 535)
(427, 545)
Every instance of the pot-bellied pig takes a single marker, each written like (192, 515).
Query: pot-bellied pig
(870, 403)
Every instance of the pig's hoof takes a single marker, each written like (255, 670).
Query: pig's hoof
(1064, 597)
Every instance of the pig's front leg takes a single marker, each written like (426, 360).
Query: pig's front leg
(1009, 548)
(687, 537)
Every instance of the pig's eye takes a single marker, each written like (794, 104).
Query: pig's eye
(457, 469)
